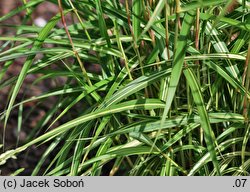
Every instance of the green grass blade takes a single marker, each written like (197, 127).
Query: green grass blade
(137, 10)
(154, 16)
(20, 8)
(205, 122)
(178, 60)
(37, 44)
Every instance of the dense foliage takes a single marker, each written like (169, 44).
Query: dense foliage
(169, 94)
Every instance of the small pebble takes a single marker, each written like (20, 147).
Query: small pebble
(40, 22)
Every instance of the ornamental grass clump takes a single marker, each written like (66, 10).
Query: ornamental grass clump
(139, 87)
